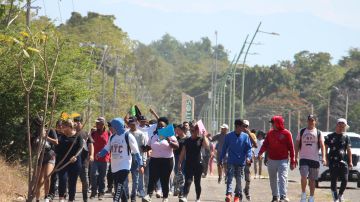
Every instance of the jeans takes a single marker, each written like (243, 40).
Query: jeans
(120, 178)
(69, 175)
(247, 179)
(135, 177)
(98, 173)
(234, 171)
(278, 173)
(84, 179)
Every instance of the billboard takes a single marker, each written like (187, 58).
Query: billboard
(187, 107)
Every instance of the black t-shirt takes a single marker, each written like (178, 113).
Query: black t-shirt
(65, 143)
(193, 151)
(48, 145)
(87, 139)
(337, 145)
(181, 142)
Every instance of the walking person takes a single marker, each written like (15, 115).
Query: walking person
(46, 166)
(181, 137)
(206, 154)
(258, 160)
(141, 139)
(161, 160)
(278, 144)
(191, 151)
(220, 139)
(100, 165)
(237, 145)
(247, 169)
(68, 174)
(121, 146)
(339, 157)
(308, 143)
(87, 156)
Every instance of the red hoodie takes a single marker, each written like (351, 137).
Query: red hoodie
(101, 138)
(278, 142)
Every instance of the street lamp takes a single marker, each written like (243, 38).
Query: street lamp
(243, 66)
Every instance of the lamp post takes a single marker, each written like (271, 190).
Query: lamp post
(243, 66)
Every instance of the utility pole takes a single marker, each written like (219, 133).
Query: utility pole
(103, 82)
(214, 124)
(115, 84)
(328, 114)
(289, 120)
(298, 121)
(347, 105)
(28, 8)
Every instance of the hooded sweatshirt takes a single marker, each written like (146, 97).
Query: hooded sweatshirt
(278, 142)
(120, 158)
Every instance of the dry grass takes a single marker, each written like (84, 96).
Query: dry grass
(12, 181)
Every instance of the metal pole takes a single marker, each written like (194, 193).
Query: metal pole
(28, 14)
(347, 105)
(298, 122)
(328, 114)
(243, 72)
(289, 120)
(215, 85)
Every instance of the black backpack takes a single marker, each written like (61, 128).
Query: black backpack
(126, 140)
(318, 132)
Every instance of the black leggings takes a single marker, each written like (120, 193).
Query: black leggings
(119, 180)
(160, 168)
(193, 171)
(340, 172)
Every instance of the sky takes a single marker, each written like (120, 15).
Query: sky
(314, 25)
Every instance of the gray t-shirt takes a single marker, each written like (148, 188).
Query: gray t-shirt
(220, 138)
(141, 140)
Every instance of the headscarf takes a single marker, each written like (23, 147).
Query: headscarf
(119, 125)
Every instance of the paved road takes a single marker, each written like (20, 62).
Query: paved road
(260, 191)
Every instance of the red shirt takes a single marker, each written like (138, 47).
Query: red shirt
(101, 138)
(278, 144)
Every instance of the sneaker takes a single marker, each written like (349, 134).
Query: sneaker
(341, 198)
(236, 199)
(228, 198)
(311, 199)
(303, 197)
(182, 199)
(146, 198)
(92, 195)
(248, 197)
(165, 200)
(101, 196)
(158, 194)
(284, 199)
(142, 193)
(274, 199)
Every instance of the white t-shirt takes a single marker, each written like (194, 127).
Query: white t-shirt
(147, 130)
(259, 144)
(309, 144)
(120, 159)
(161, 149)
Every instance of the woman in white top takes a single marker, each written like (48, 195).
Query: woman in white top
(260, 135)
(161, 160)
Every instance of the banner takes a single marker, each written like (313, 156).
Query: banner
(187, 107)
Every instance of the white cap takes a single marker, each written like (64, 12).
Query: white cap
(224, 126)
(342, 120)
(246, 122)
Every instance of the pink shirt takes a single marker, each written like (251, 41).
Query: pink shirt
(309, 144)
(161, 149)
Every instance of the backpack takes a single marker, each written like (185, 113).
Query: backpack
(126, 140)
(318, 132)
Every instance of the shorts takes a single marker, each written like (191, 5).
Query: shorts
(218, 158)
(49, 157)
(309, 168)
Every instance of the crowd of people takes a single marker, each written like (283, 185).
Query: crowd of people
(105, 156)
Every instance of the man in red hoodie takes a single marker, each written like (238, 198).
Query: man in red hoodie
(99, 165)
(278, 144)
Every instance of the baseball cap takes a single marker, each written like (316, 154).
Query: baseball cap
(342, 120)
(100, 120)
(312, 116)
(132, 119)
(142, 118)
(224, 126)
(246, 122)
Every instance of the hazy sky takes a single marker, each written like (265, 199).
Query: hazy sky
(314, 25)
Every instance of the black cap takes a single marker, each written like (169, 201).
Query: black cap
(311, 116)
(142, 118)
(238, 122)
(132, 119)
